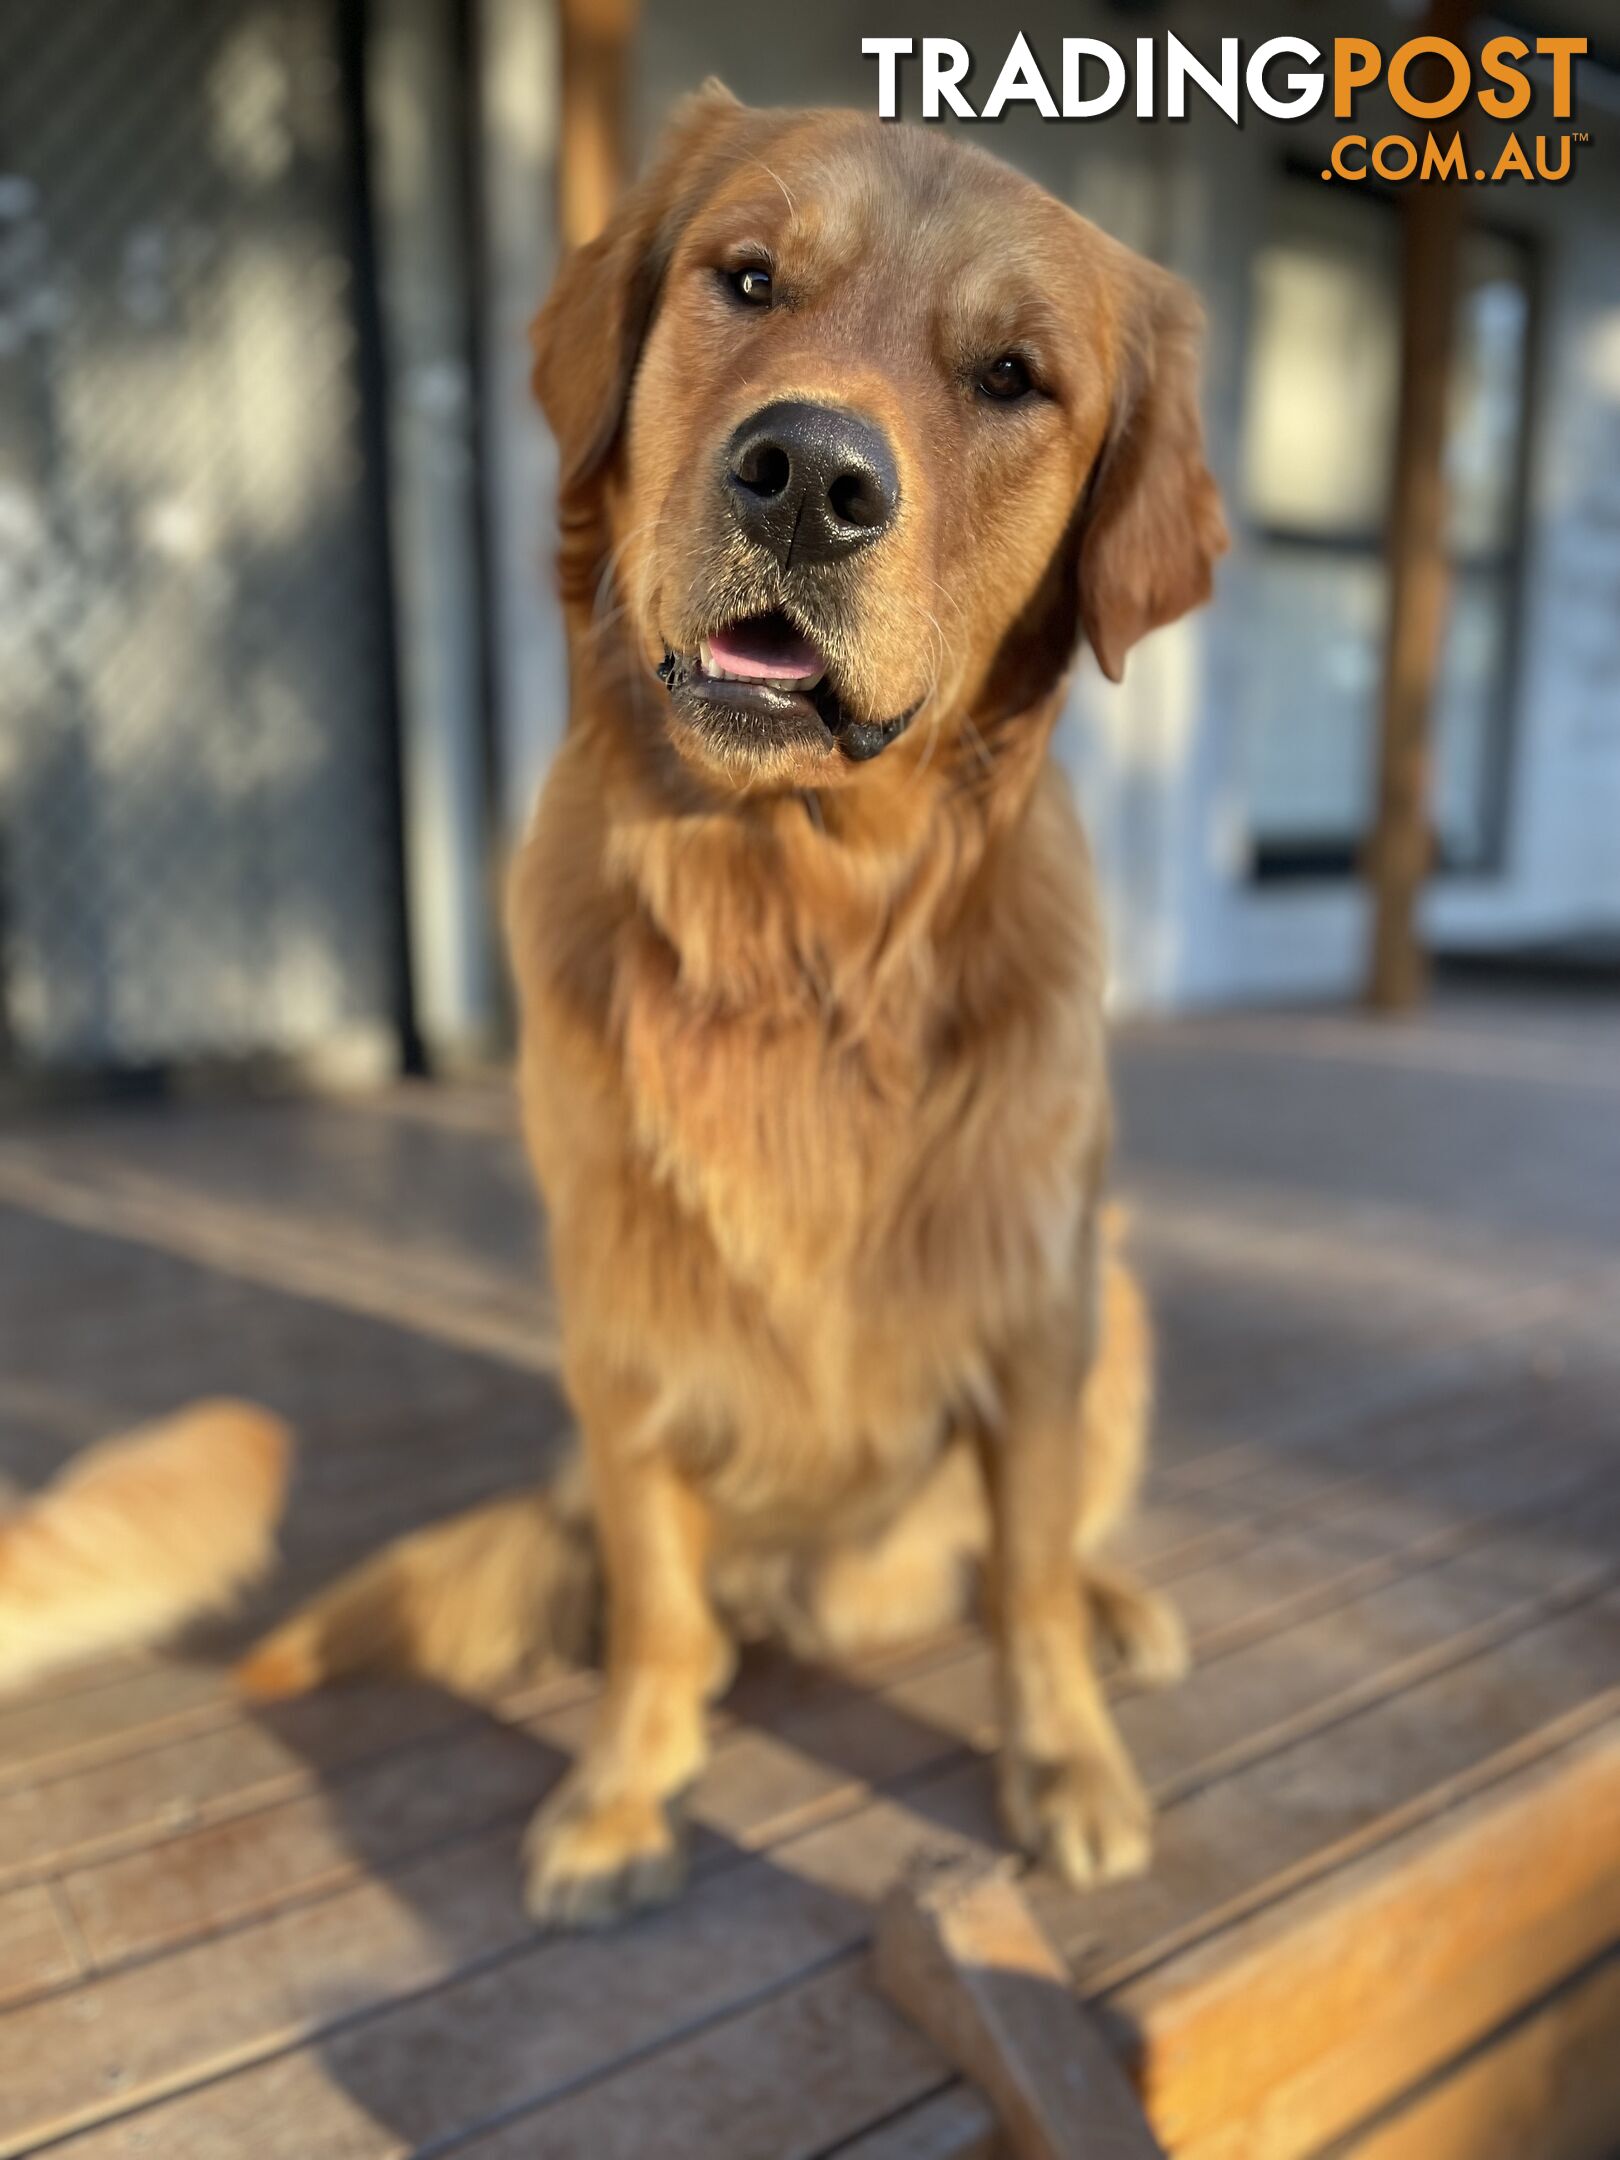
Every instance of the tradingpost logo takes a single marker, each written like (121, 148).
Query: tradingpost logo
(1529, 84)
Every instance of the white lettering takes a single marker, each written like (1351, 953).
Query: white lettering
(1076, 51)
(1182, 66)
(1020, 78)
(1307, 89)
(944, 63)
(888, 53)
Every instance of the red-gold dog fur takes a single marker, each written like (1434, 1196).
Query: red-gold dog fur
(813, 1067)
(812, 1046)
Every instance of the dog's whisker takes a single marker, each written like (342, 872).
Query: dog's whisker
(986, 755)
(930, 701)
(602, 617)
(787, 193)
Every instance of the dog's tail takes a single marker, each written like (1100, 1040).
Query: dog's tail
(141, 1534)
(508, 1590)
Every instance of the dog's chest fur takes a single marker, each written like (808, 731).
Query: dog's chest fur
(860, 1128)
(877, 1122)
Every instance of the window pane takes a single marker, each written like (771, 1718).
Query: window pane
(1466, 712)
(1320, 454)
(1487, 395)
(1320, 427)
(1312, 692)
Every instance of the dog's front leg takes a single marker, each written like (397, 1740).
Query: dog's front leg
(605, 1841)
(1069, 1794)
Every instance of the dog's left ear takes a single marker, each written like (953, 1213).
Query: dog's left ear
(1153, 526)
(588, 335)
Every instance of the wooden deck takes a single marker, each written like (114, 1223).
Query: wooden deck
(1387, 1264)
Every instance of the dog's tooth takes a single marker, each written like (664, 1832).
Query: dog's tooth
(716, 673)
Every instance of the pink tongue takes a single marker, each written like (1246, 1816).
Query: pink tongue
(766, 651)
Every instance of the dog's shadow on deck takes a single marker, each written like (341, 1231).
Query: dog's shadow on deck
(433, 2005)
(457, 2015)
(442, 2015)
(448, 2016)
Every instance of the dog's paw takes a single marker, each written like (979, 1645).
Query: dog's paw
(1087, 1818)
(1144, 1631)
(588, 1861)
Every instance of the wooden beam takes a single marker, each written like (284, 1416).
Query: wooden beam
(1401, 848)
(1548, 2085)
(1274, 2038)
(960, 1952)
(592, 160)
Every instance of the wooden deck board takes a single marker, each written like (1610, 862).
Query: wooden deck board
(1387, 1502)
(37, 1951)
(1303, 2019)
(252, 1979)
(455, 1774)
(239, 1766)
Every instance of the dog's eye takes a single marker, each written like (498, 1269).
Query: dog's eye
(751, 285)
(1005, 379)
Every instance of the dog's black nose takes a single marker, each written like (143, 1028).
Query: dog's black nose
(810, 482)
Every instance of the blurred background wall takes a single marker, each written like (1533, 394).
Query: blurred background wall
(279, 664)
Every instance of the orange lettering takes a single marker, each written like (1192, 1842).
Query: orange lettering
(1347, 76)
(1563, 53)
(1505, 104)
(1429, 108)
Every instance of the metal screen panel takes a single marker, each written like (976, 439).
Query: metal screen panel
(196, 847)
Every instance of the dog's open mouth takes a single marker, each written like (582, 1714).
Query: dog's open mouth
(765, 649)
(765, 680)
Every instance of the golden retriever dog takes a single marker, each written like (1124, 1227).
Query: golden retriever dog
(861, 435)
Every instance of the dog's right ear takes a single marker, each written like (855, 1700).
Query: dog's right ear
(1153, 526)
(588, 335)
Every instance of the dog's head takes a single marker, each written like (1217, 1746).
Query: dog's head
(855, 423)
